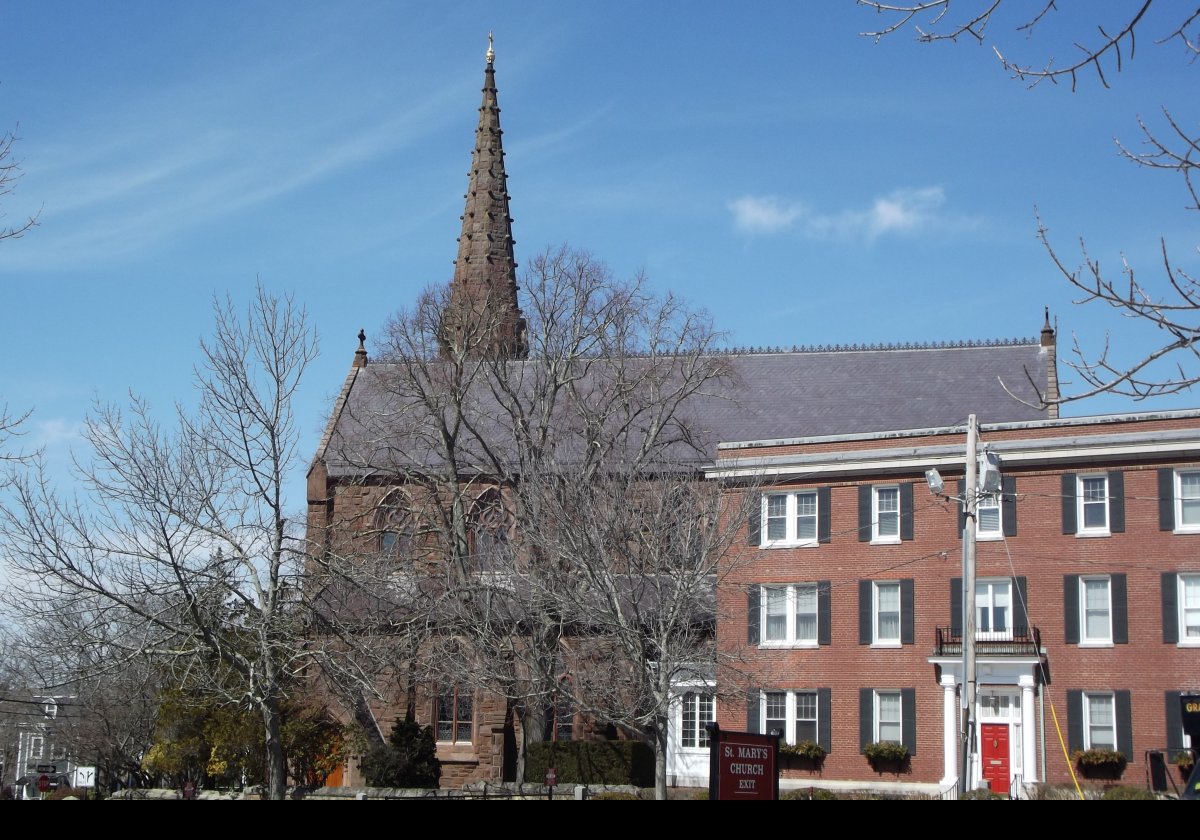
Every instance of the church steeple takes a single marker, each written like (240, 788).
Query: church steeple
(483, 315)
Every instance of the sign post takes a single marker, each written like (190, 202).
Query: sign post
(742, 765)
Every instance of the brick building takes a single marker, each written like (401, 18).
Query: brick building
(849, 592)
(827, 395)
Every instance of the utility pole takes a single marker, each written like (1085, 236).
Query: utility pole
(970, 502)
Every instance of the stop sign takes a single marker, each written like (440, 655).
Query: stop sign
(43, 783)
(551, 777)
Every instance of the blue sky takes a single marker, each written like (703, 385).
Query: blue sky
(803, 183)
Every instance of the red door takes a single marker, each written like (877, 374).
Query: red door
(993, 743)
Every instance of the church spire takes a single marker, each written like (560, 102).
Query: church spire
(483, 314)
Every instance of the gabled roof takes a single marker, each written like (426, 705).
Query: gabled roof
(770, 396)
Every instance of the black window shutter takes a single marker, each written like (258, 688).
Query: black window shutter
(753, 610)
(962, 507)
(1166, 500)
(823, 532)
(1124, 724)
(866, 718)
(1116, 502)
(1174, 722)
(754, 521)
(824, 724)
(907, 612)
(1071, 609)
(1021, 605)
(908, 719)
(1170, 607)
(956, 606)
(1008, 505)
(1068, 503)
(753, 723)
(823, 617)
(907, 515)
(1120, 608)
(1074, 720)
(864, 513)
(866, 633)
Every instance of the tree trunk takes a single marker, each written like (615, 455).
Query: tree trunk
(660, 759)
(533, 730)
(276, 758)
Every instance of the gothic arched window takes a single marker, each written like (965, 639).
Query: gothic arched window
(490, 524)
(393, 523)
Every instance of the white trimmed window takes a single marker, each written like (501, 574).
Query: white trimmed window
(885, 504)
(993, 609)
(886, 613)
(1093, 504)
(1189, 609)
(790, 518)
(697, 711)
(793, 714)
(1187, 501)
(988, 517)
(1095, 614)
(790, 614)
(889, 720)
(1099, 721)
(37, 745)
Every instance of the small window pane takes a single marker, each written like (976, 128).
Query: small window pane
(887, 511)
(889, 716)
(806, 516)
(1100, 721)
(777, 517)
(1096, 613)
(776, 717)
(776, 614)
(806, 613)
(1190, 605)
(989, 514)
(1189, 499)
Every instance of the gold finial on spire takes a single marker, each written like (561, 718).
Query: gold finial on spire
(491, 53)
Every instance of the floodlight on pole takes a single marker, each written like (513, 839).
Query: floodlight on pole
(934, 479)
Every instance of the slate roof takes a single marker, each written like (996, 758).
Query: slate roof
(771, 396)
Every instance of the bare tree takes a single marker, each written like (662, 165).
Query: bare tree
(177, 546)
(1172, 301)
(635, 557)
(465, 436)
(10, 172)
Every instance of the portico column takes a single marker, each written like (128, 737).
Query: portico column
(1028, 730)
(949, 730)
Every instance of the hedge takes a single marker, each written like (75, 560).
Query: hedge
(592, 762)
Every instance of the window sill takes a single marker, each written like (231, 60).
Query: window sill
(1192, 529)
(1190, 643)
(785, 544)
(886, 541)
(788, 645)
(1096, 645)
(887, 645)
(988, 537)
(1089, 534)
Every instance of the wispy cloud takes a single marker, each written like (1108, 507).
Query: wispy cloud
(55, 432)
(902, 211)
(754, 214)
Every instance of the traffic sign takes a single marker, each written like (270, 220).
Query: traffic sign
(85, 777)
(43, 783)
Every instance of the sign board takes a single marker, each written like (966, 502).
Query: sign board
(189, 790)
(742, 765)
(1189, 707)
(43, 783)
(85, 777)
(47, 768)
(551, 776)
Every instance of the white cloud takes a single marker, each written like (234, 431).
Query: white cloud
(763, 215)
(56, 432)
(902, 211)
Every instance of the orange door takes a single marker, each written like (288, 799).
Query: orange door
(993, 743)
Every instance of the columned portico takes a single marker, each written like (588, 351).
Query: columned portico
(1006, 739)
